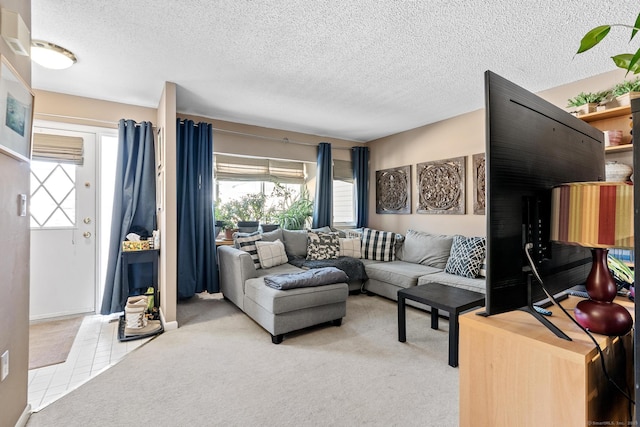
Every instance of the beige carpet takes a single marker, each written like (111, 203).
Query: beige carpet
(50, 341)
(221, 369)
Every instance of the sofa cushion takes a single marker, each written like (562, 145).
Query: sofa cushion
(276, 301)
(353, 232)
(378, 245)
(476, 285)
(351, 247)
(323, 245)
(427, 249)
(295, 242)
(271, 253)
(272, 236)
(247, 243)
(398, 273)
(466, 256)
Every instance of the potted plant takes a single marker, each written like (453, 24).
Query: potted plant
(294, 211)
(585, 103)
(243, 213)
(224, 221)
(626, 91)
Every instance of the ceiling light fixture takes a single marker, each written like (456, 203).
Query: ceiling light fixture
(52, 56)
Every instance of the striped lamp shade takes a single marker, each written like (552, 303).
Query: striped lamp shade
(593, 214)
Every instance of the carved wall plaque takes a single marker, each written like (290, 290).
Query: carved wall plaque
(479, 184)
(393, 190)
(441, 186)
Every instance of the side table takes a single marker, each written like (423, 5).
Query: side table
(438, 296)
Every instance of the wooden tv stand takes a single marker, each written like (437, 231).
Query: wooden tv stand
(514, 371)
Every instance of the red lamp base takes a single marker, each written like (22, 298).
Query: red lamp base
(606, 318)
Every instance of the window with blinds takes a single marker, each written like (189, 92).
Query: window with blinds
(343, 201)
(233, 168)
(58, 148)
(53, 180)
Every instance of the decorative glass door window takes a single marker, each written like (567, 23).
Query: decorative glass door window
(53, 195)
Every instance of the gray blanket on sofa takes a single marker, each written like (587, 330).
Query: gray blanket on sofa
(304, 279)
(352, 266)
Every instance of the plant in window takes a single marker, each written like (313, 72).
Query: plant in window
(293, 210)
(249, 207)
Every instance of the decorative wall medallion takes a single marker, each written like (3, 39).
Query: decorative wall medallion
(479, 184)
(393, 190)
(441, 185)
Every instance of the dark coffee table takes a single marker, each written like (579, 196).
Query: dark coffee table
(439, 297)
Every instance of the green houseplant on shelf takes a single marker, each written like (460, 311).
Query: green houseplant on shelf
(585, 103)
(626, 91)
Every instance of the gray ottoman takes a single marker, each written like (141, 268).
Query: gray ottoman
(280, 312)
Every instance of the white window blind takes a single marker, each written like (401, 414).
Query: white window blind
(58, 148)
(342, 171)
(232, 168)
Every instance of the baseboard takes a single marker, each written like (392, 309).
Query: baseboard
(168, 326)
(24, 418)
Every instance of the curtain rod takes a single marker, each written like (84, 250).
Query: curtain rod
(284, 140)
(107, 122)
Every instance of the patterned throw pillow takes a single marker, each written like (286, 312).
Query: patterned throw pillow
(248, 244)
(271, 253)
(378, 245)
(351, 247)
(467, 254)
(356, 232)
(323, 246)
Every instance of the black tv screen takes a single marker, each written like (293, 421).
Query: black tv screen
(531, 146)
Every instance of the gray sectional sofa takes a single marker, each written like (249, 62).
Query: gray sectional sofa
(418, 258)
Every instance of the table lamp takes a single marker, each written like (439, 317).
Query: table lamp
(596, 215)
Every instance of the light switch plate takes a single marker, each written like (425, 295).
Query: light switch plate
(4, 365)
(22, 205)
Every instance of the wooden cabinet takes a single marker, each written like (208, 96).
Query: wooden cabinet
(514, 371)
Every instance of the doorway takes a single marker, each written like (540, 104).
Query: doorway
(66, 219)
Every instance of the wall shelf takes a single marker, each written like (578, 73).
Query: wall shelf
(618, 148)
(606, 114)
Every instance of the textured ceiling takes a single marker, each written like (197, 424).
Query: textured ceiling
(352, 69)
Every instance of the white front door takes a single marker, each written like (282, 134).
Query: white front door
(63, 233)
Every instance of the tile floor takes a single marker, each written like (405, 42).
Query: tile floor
(95, 349)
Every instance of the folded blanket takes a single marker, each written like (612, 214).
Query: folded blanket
(308, 278)
(352, 266)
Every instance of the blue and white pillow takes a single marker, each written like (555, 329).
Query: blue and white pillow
(466, 257)
(378, 245)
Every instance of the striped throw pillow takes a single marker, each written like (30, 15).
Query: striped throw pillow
(248, 244)
(378, 245)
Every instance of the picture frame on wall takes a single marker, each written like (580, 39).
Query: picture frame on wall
(479, 184)
(16, 113)
(159, 148)
(160, 183)
(393, 190)
(441, 186)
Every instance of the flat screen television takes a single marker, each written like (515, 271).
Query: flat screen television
(531, 146)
